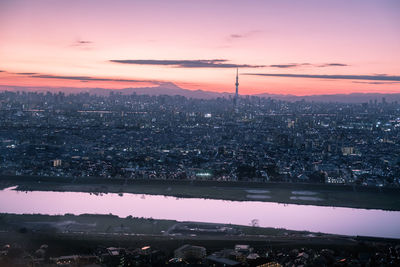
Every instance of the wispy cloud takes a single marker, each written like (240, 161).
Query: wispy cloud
(83, 44)
(216, 63)
(83, 78)
(201, 63)
(376, 82)
(25, 73)
(236, 36)
(87, 79)
(340, 77)
(296, 65)
(291, 65)
(333, 65)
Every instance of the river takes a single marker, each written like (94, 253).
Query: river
(334, 220)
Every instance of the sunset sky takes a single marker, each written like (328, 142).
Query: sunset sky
(287, 47)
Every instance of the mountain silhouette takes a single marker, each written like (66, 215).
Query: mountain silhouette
(169, 88)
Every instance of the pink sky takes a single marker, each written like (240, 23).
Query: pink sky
(354, 44)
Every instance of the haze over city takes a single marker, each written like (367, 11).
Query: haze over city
(280, 47)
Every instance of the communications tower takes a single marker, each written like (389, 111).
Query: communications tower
(235, 99)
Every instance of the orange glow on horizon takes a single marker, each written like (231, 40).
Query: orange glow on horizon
(247, 87)
(83, 38)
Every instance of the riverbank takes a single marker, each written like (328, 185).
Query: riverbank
(40, 239)
(132, 226)
(303, 194)
(88, 230)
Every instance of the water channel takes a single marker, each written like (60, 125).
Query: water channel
(335, 220)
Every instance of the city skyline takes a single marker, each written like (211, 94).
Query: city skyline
(199, 133)
(306, 48)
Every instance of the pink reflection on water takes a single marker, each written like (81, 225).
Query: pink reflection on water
(345, 221)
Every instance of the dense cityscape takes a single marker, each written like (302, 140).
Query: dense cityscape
(190, 255)
(173, 137)
(199, 133)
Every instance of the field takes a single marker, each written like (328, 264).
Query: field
(305, 194)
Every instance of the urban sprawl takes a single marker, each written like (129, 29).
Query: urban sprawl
(173, 137)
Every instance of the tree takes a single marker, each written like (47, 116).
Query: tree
(255, 223)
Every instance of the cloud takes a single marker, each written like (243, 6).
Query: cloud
(201, 63)
(376, 82)
(26, 73)
(2, 71)
(82, 44)
(333, 65)
(291, 65)
(283, 66)
(235, 36)
(87, 79)
(216, 63)
(339, 77)
(295, 65)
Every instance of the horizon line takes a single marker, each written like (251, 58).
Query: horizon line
(87, 90)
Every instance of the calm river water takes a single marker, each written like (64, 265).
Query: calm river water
(346, 221)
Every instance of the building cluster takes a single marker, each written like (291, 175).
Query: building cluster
(193, 255)
(173, 137)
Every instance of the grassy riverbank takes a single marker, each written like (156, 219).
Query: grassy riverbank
(72, 234)
(42, 240)
(305, 194)
(111, 224)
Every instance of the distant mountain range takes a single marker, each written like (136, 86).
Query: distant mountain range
(172, 89)
(164, 89)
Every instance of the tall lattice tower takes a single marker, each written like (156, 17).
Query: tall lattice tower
(235, 100)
